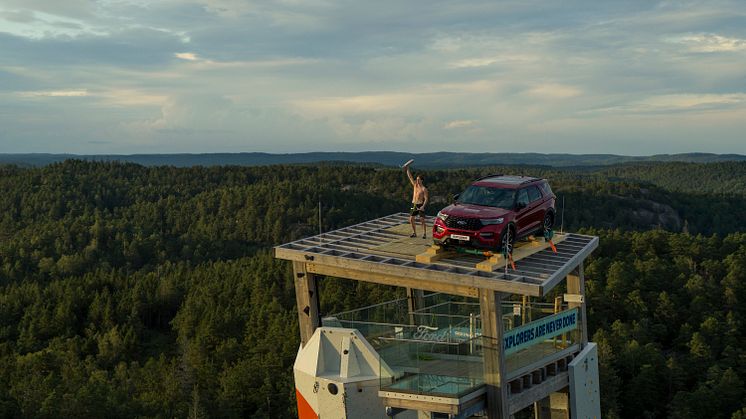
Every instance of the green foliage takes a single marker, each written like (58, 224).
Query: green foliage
(128, 291)
(671, 344)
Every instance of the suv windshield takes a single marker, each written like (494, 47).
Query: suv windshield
(486, 196)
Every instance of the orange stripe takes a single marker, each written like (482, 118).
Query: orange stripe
(305, 411)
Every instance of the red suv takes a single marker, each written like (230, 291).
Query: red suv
(496, 210)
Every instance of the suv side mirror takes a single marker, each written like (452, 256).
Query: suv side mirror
(520, 205)
(455, 197)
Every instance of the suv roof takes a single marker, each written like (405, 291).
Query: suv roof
(504, 180)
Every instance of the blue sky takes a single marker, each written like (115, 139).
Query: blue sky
(147, 76)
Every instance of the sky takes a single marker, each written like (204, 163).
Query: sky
(633, 77)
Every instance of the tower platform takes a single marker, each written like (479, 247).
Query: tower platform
(492, 350)
(381, 251)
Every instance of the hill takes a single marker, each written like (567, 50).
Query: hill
(387, 158)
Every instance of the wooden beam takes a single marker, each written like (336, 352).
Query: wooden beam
(576, 285)
(422, 273)
(433, 254)
(307, 299)
(385, 279)
(520, 251)
(415, 301)
(490, 303)
(560, 403)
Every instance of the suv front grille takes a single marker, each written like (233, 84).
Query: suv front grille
(463, 223)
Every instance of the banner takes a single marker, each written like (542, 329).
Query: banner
(537, 331)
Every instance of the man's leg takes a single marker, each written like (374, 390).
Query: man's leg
(424, 225)
(411, 222)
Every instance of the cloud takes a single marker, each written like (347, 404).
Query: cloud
(707, 42)
(127, 48)
(326, 74)
(18, 16)
(131, 98)
(474, 62)
(327, 106)
(68, 8)
(554, 91)
(54, 93)
(676, 103)
(694, 101)
(459, 123)
(188, 56)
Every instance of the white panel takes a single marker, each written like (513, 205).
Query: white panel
(585, 399)
(349, 367)
(309, 359)
(338, 372)
(332, 405)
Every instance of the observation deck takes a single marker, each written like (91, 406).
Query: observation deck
(381, 251)
(477, 342)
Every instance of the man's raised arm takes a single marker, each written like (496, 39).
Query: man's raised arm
(409, 175)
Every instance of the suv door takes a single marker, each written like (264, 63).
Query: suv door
(522, 219)
(536, 206)
(529, 217)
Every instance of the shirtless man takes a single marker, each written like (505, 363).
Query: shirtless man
(419, 200)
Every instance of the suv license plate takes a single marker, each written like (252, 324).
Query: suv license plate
(459, 237)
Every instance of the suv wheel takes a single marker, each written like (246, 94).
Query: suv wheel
(508, 240)
(548, 222)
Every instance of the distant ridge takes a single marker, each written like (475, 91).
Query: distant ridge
(387, 158)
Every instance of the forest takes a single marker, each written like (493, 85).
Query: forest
(131, 291)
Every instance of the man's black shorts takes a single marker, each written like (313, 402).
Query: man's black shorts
(417, 210)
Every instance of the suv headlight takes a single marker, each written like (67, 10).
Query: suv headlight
(442, 216)
(492, 221)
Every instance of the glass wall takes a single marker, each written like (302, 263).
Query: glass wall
(438, 349)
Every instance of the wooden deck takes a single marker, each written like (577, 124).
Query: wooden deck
(381, 251)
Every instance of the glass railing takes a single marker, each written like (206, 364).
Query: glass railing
(432, 367)
(438, 349)
(394, 311)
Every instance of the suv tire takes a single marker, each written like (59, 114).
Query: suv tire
(508, 239)
(548, 222)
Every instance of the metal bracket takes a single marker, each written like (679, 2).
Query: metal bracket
(393, 411)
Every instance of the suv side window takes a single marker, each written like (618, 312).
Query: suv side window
(545, 187)
(533, 193)
(522, 197)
